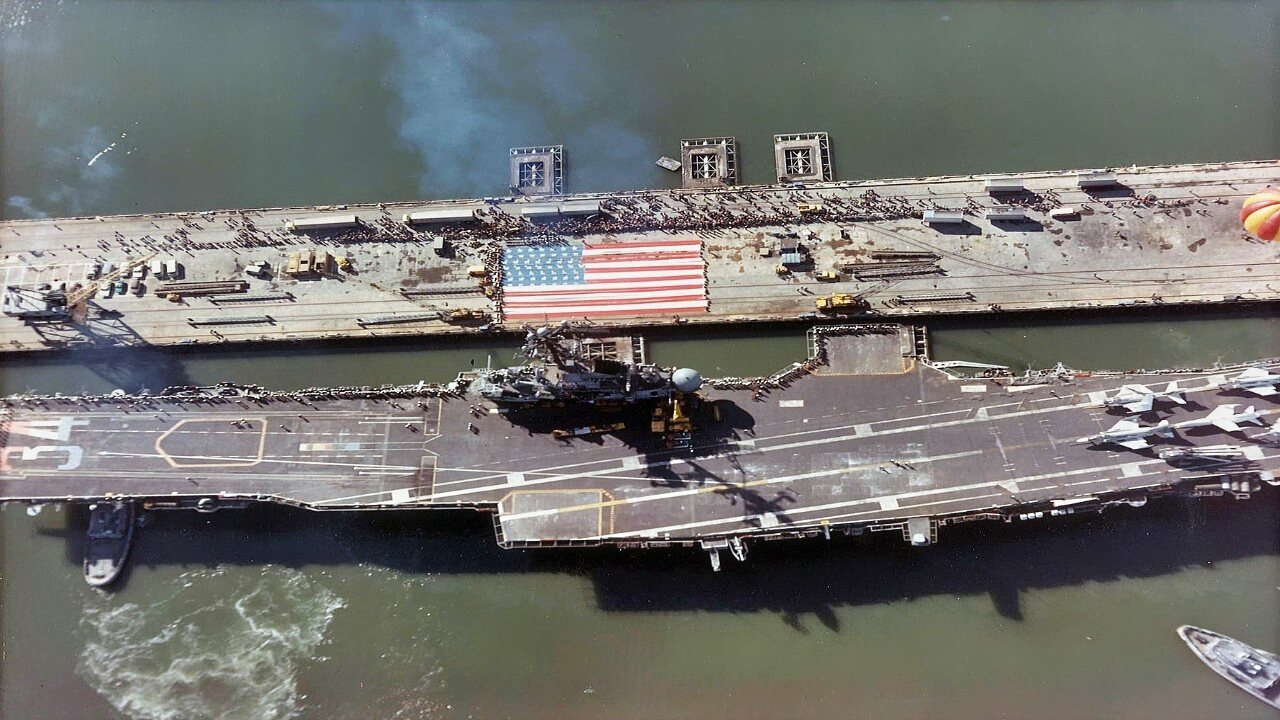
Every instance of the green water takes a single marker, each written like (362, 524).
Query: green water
(273, 613)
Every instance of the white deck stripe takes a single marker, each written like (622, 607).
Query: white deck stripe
(643, 274)
(603, 285)
(592, 268)
(760, 447)
(612, 295)
(730, 487)
(605, 250)
(605, 305)
(873, 500)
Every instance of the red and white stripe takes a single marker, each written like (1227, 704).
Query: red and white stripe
(622, 279)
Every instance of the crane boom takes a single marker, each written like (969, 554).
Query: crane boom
(77, 301)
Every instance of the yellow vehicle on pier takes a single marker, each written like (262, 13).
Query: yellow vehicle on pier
(838, 302)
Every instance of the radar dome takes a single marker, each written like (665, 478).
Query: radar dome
(686, 380)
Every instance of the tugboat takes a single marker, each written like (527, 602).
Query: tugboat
(1255, 671)
(110, 535)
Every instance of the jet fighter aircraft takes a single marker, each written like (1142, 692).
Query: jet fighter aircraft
(1139, 398)
(1225, 418)
(1254, 380)
(1129, 434)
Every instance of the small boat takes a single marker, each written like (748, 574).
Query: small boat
(110, 535)
(1255, 671)
(667, 163)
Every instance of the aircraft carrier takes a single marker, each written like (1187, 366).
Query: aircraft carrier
(587, 444)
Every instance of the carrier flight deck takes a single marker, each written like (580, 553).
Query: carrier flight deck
(865, 435)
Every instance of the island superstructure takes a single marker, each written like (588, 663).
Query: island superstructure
(588, 444)
(978, 244)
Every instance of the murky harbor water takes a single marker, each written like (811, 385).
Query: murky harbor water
(111, 107)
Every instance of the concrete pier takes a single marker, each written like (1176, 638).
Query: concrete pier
(1067, 240)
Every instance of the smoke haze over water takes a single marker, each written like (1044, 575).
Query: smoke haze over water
(472, 80)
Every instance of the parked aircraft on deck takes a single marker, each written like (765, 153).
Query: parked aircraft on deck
(1140, 398)
(1129, 434)
(1225, 418)
(1254, 380)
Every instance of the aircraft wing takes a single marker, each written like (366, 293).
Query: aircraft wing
(1135, 443)
(1253, 372)
(1227, 425)
(1263, 390)
(1123, 426)
(1140, 405)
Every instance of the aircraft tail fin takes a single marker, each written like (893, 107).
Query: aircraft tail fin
(1174, 393)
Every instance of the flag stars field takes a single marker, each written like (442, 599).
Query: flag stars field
(543, 282)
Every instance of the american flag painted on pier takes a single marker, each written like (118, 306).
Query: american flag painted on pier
(651, 277)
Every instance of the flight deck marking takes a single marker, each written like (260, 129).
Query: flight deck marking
(969, 498)
(237, 462)
(752, 483)
(286, 461)
(898, 497)
(783, 446)
(633, 458)
(599, 506)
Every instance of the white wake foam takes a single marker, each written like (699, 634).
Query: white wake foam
(207, 645)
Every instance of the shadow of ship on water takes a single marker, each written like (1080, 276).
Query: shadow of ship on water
(794, 578)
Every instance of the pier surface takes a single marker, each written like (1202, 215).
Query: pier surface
(1160, 235)
(874, 439)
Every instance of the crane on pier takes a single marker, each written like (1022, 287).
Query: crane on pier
(58, 304)
(77, 301)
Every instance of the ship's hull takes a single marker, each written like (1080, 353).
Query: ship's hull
(1200, 640)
